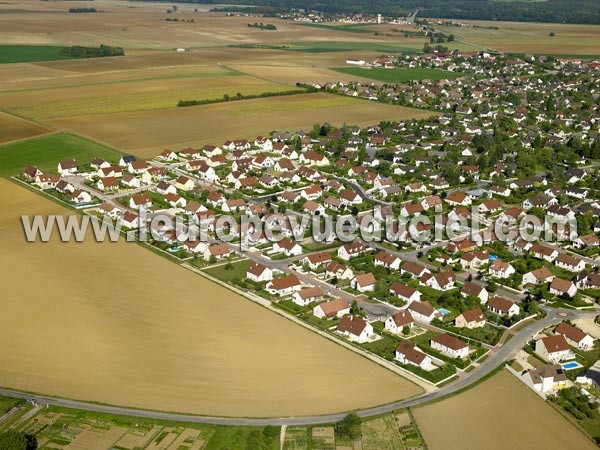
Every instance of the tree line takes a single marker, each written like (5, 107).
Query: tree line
(82, 10)
(557, 11)
(78, 51)
(239, 96)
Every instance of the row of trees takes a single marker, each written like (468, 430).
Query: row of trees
(558, 11)
(78, 51)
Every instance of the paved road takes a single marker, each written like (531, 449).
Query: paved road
(497, 356)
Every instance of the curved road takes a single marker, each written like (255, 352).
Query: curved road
(497, 356)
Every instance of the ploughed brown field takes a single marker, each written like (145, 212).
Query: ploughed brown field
(500, 413)
(146, 133)
(13, 128)
(115, 323)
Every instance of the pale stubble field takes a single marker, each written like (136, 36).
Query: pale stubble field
(117, 324)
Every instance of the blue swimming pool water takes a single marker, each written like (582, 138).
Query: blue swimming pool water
(444, 311)
(571, 365)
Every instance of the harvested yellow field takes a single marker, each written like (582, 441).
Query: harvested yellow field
(132, 95)
(13, 128)
(498, 414)
(145, 133)
(117, 324)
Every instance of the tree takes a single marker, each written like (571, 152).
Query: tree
(406, 330)
(13, 440)
(552, 34)
(349, 426)
(354, 308)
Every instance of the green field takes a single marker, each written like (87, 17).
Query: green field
(398, 75)
(230, 271)
(343, 46)
(46, 152)
(29, 53)
(350, 28)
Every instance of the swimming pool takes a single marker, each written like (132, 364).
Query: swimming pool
(571, 365)
(444, 311)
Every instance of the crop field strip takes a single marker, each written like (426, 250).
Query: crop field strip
(199, 125)
(174, 342)
(501, 413)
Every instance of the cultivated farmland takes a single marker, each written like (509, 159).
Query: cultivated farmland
(132, 95)
(145, 133)
(118, 324)
(45, 153)
(13, 128)
(399, 75)
(520, 37)
(498, 414)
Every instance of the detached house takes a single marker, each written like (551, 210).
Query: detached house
(306, 296)
(404, 292)
(423, 311)
(441, 281)
(538, 276)
(316, 260)
(474, 318)
(284, 286)
(554, 348)
(570, 263)
(450, 345)
(408, 353)
(339, 271)
(333, 308)
(259, 273)
(184, 183)
(501, 269)
(471, 289)
(287, 247)
(67, 167)
(350, 250)
(575, 336)
(387, 260)
(503, 306)
(363, 283)
(562, 287)
(397, 321)
(355, 329)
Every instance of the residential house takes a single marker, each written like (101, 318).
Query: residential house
(339, 271)
(287, 247)
(407, 353)
(387, 260)
(404, 292)
(501, 269)
(316, 260)
(548, 378)
(364, 283)
(283, 286)
(423, 311)
(575, 336)
(473, 318)
(554, 348)
(350, 250)
(217, 251)
(67, 167)
(306, 296)
(397, 321)
(355, 329)
(450, 345)
(561, 287)
(471, 289)
(333, 308)
(184, 183)
(537, 276)
(503, 306)
(570, 263)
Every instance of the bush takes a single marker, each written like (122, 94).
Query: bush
(349, 426)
